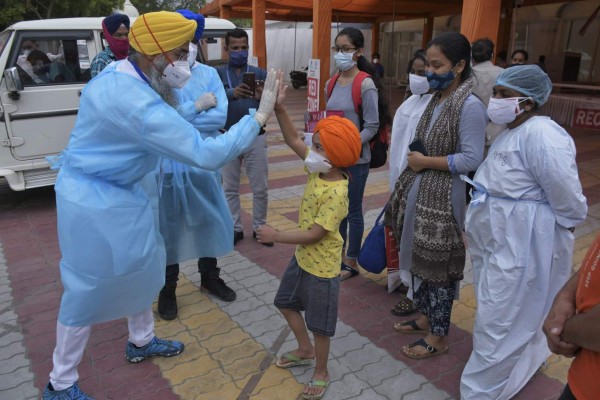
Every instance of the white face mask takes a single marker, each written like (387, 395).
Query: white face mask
(316, 163)
(376, 61)
(192, 54)
(418, 84)
(177, 74)
(344, 61)
(504, 111)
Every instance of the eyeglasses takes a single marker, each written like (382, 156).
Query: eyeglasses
(343, 50)
(182, 55)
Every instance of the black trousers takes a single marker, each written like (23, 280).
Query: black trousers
(205, 264)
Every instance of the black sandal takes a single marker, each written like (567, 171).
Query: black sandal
(352, 272)
(404, 307)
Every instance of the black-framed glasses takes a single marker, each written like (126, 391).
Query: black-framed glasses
(343, 50)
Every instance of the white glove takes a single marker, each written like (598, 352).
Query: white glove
(205, 101)
(268, 98)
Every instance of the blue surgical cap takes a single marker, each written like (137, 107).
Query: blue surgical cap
(199, 21)
(529, 80)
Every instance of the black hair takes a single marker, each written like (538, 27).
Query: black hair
(417, 55)
(456, 48)
(376, 55)
(235, 33)
(502, 55)
(522, 51)
(38, 55)
(358, 40)
(482, 50)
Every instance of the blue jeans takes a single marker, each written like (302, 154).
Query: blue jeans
(353, 226)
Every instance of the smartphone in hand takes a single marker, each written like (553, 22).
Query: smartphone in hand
(417, 145)
(249, 78)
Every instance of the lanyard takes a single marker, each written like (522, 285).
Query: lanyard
(138, 70)
(229, 78)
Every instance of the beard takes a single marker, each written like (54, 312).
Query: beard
(160, 86)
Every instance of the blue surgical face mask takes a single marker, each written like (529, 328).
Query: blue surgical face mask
(238, 58)
(440, 81)
(344, 61)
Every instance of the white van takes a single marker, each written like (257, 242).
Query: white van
(38, 111)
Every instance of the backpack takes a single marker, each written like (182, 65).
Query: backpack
(380, 143)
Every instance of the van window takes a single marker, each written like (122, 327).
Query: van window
(3, 39)
(50, 61)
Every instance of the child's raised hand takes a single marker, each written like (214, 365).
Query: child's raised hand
(265, 234)
(281, 94)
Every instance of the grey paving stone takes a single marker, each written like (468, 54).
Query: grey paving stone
(385, 368)
(368, 354)
(260, 314)
(14, 363)
(9, 345)
(241, 294)
(268, 339)
(370, 394)
(347, 387)
(5, 288)
(242, 275)
(251, 281)
(271, 324)
(343, 345)
(15, 379)
(265, 288)
(25, 391)
(426, 391)
(8, 316)
(237, 307)
(405, 382)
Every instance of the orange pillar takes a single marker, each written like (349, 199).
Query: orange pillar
(427, 31)
(480, 19)
(259, 40)
(321, 48)
(225, 13)
(375, 38)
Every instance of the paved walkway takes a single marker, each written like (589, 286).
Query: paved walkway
(231, 347)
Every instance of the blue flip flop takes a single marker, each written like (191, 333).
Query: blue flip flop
(352, 272)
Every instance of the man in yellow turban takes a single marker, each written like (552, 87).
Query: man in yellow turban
(113, 256)
(311, 281)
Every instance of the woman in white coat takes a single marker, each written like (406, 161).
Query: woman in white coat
(519, 225)
(403, 133)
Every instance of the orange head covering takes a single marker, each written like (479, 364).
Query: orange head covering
(340, 139)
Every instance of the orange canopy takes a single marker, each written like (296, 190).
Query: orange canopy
(342, 10)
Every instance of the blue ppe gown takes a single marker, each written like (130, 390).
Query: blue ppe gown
(195, 220)
(113, 257)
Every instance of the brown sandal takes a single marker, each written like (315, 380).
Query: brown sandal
(404, 307)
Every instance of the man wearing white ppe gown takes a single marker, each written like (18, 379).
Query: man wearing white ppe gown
(519, 225)
(113, 256)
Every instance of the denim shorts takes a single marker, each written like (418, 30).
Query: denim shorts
(317, 297)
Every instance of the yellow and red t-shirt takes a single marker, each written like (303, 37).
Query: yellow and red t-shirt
(585, 370)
